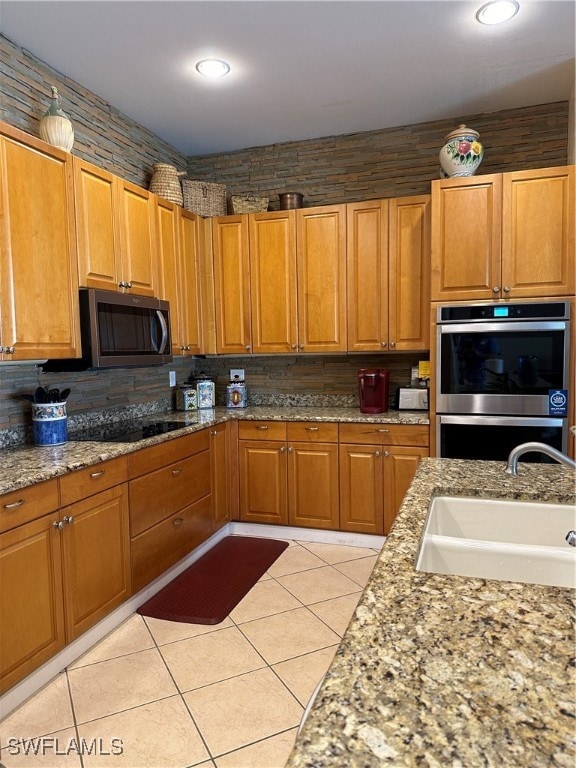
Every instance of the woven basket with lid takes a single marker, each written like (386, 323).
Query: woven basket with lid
(204, 198)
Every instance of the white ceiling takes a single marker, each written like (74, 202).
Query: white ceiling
(300, 69)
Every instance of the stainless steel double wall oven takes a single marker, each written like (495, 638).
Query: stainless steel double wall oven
(501, 370)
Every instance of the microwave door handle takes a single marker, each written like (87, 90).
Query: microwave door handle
(164, 327)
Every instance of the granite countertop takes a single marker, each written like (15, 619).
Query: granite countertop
(28, 464)
(447, 671)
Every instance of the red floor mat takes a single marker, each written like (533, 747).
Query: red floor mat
(210, 588)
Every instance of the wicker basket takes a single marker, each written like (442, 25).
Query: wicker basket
(165, 182)
(204, 198)
(249, 204)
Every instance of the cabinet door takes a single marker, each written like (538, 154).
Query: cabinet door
(31, 605)
(190, 285)
(96, 556)
(138, 238)
(231, 284)
(538, 212)
(273, 281)
(38, 270)
(400, 465)
(98, 233)
(313, 485)
(263, 490)
(409, 270)
(361, 488)
(466, 224)
(219, 467)
(321, 260)
(167, 230)
(367, 282)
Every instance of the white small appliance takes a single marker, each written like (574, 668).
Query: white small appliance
(412, 399)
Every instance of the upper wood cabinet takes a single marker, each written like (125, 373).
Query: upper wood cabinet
(179, 281)
(388, 257)
(230, 240)
(38, 270)
(116, 232)
(321, 262)
(505, 235)
(273, 282)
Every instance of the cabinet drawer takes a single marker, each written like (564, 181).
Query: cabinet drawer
(385, 434)
(165, 491)
(158, 548)
(262, 430)
(312, 430)
(149, 459)
(18, 507)
(86, 482)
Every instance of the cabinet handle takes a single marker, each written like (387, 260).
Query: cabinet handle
(2, 349)
(301, 346)
(496, 289)
(386, 453)
(382, 429)
(15, 504)
(177, 471)
(213, 433)
(312, 429)
(58, 524)
(377, 453)
(98, 474)
(382, 343)
(68, 520)
(129, 284)
(293, 346)
(247, 347)
(392, 343)
(9, 350)
(262, 426)
(282, 449)
(177, 522)
(290, 450)
(121, 284)
(506, 289)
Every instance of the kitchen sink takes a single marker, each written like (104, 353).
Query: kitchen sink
(499, 539)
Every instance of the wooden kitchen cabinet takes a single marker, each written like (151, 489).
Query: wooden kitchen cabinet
(321, 265)
(116, 232)
(289, 473)
(179, 281)
(273, 282)
(170, 504)
(377, 464)
(96, 557)
(38, 269)
(230, 242)
(505, 235)
(31, 596)
(219, 465)
(388, 257)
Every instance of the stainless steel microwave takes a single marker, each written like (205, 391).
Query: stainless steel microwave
(121, 330)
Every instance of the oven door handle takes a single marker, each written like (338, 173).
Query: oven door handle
(515, 326)
(500, 421)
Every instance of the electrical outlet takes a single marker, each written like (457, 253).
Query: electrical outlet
(237, 373)
(172, 378)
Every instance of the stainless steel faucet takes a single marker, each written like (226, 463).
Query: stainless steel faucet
(520, 450)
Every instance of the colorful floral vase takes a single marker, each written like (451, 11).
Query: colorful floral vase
(461, 154)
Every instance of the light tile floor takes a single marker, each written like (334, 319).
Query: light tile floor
(175, 695)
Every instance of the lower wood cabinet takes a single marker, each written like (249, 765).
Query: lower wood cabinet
(170, 504)
(377, 464)
(289, 481)
(219, 466)
(31, 598)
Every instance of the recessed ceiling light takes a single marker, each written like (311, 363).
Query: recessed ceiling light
(497, 11)
(213, 67)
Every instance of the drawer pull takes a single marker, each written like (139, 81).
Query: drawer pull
(177, 471)
(382, 430)
(98, 474)
(177, 522)
(312, 429)
(262, 426)
(15, 504)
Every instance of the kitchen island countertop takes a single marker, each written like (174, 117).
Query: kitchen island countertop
(447, 671)
(26, 465)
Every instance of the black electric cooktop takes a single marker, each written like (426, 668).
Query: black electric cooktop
(127, 431)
